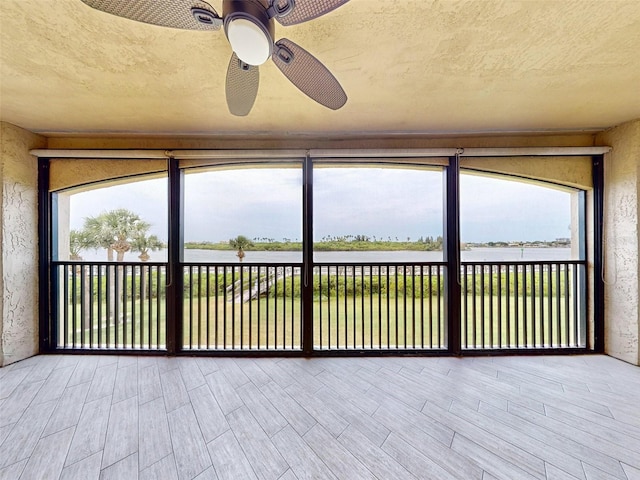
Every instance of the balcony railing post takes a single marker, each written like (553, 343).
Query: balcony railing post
(598, 258)
(174, 274)
(452, 254)
(47, 288)
(307, 246)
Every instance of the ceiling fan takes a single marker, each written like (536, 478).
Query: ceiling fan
(249, 27)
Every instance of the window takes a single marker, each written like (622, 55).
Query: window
(251, 214)
(369, 214)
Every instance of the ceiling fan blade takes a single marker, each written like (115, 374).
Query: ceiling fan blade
(165, 13)
(307, 73)
(242, 86)
(303, 10)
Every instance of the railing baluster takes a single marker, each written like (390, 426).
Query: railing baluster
(149, 271)
(346, 313)
(550, 303)
(160, 306)
(431, 317)
(353, 307)
(397, 317)
(142, 295)
(83, 305)
(133, 305)
(576, 312)
(566, 342)
(74, 308)
(534, 320)
(116, 307)
(216, 312)
(233, 307)
(250, 301)
(320, 319)
(558, 308)
(491, 336)
(499, 319)
(207, 285)
(275, 308)
(508, 307)
(481, 313)
(380, 307)
(525, 341)
(198, 307)
(91, 315)
(258, 281)
(421, 306)
(224, 307)
(371, 306)
(516, 305)
(328, 306)
(440, 306)
(239, 305)
(404, 305)
(65, 303)
(293, 304)
(338, 316)
(464, 333)
(543, 339)
(474, 306)
(362, 291)
(268, 330)
(99, 301)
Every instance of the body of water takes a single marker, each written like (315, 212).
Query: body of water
(472, 255)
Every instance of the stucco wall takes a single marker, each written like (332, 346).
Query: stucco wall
(569, 171)
(622, 241)
(67, 173)
(18, 243)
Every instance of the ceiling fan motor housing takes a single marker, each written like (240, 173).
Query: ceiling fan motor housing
(249, 30)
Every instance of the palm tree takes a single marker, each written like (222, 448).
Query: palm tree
(240, 243)
(144, 244)
(115, 231)
(78, 241)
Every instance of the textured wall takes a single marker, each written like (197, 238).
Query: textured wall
(18, 244)
(67, 173)
(622, 241)
(570, 171)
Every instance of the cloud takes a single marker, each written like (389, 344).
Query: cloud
(494, 209)
(373, 201)
(147, 198)
(377, 201)
(253, 202)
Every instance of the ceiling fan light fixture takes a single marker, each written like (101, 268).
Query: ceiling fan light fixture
(249, 40)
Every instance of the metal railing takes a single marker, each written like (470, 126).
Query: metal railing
(523, 305)
(242, 307)
(379, 306)
(355, 307)
(109, 305)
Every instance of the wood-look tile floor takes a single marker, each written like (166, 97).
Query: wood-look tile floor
(122, 417)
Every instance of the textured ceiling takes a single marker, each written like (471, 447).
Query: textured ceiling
(407, 66)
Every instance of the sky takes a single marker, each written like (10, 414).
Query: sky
(382, 202)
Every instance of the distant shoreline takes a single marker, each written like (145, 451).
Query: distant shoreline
(361, 246)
